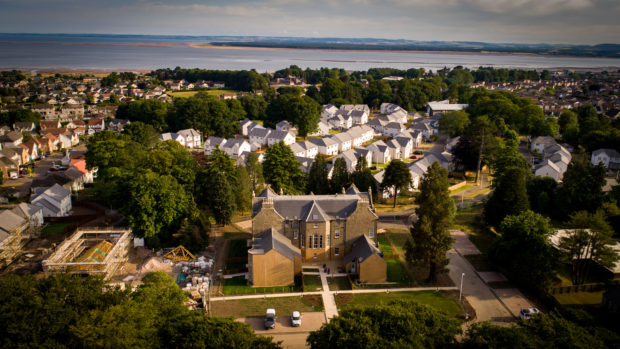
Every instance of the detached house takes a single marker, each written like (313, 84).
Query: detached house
(381, 153)
(172, 136)
(280, 136)
(96, 125)
(193, 139)
(312, 228)
(344, 141)
(259, 135)
(55, 201)
(609, 157)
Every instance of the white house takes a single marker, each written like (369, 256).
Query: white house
(405, 144)
(392, 129)
(380, 152)
(548, 169)
(360, 134)
(213, 142)
(443, 106)
(344, 141)
(394, 149)
(259, 135)
(540, 143)
(247, 126)
(283, 126)
(328, 111)
(55, 201)
(193, 139)
(280, 136)
(609, 157)
(235, 147)
(172, 136)
(327, 146)
(30, 212)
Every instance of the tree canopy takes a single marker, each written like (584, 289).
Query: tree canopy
(397, 176)
(282, 170)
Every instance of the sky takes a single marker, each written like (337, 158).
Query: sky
(517, 21)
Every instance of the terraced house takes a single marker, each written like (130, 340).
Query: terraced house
(317, 229)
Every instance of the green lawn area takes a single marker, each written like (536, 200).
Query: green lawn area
(461, 189)
(238, 285)
(312, 283)
(396, 272)
(55, 228)
(238, 249)
(257, 306)
(339, 283)
(398, 237)
(438, 300)
(580, 298)
(384, 245)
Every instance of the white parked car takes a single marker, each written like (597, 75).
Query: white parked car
(527, 313)
(296, 319)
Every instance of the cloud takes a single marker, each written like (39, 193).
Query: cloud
(529, 7)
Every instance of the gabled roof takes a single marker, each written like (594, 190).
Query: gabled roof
(10, 221)
(260, 132)
(316, 214)
(361, 249)
(26, 210)
(267, 193)
(269, 240)
(612, 153)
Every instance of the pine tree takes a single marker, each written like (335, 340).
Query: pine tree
(509, 196)
(430, 238)
(317, 177)
(282, 170)
(244, 190)
(340, 177)
(255, 171)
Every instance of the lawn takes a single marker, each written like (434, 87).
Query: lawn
(384, 245)
(256, 307)
(55, 228)
(312, 283)
(238, 285)
(396, 272)
(238, 249)
(398, 237)
(466, 220)
(580, 298)
(461, 189)
(438, 300)
(339, 283)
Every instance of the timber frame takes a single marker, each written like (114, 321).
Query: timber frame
(64, 258)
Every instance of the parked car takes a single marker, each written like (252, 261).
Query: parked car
(373, 168)
(418, 152)
(296, 319)
(413, 157)
(270, 319)
(527, 313)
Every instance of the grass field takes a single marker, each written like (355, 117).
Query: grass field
(312, 283)
(438, 300)
(580, 298)
(396, 272)
(238, 285)
(398, 237)
(55, 228)
(466, 220)
(384, 245)
(257, 306)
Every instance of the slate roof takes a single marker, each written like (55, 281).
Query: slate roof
(269, 240)
(10, 221)
(612, 153)
(304, 207)
(26, 210)
(361, 249)
(259, 132)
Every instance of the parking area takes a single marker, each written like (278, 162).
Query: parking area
(310, 321)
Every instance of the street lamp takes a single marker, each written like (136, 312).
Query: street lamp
(461, 291)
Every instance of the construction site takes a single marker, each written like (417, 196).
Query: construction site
(93, 251)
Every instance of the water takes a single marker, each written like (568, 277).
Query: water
(138, 53)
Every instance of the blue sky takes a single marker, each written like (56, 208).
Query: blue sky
(525, 21)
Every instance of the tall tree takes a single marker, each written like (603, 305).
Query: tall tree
(581, 189)
(509, 196)
(397, 176)
(590, 240)
(523, 250)
(244, 190)
(222, 199)
(430, 238)
(255, 172)
(282, 169)
(340, 176)
(362, 176)
(317, 177)
(454, 123)
(142, 133)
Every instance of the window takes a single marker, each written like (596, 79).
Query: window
(315, 256)
(286, 224)
(337, 234)
(337, 251)
(321, 241)
(315, 217)
(316, 241)
(371, 232)
(316, 225)
(327, 241)
(310, 241)
(303, 240)
(296, 234)
(295, 223)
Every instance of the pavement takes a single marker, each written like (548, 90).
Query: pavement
(462, 243)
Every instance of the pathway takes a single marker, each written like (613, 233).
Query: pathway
(329, 302)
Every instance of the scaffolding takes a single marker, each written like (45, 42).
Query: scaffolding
(94, 251)
(13, 244)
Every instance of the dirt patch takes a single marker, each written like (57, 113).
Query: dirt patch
(344, 298)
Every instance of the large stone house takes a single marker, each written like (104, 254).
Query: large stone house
(324, 228)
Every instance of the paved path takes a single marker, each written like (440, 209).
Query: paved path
(329, 302)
